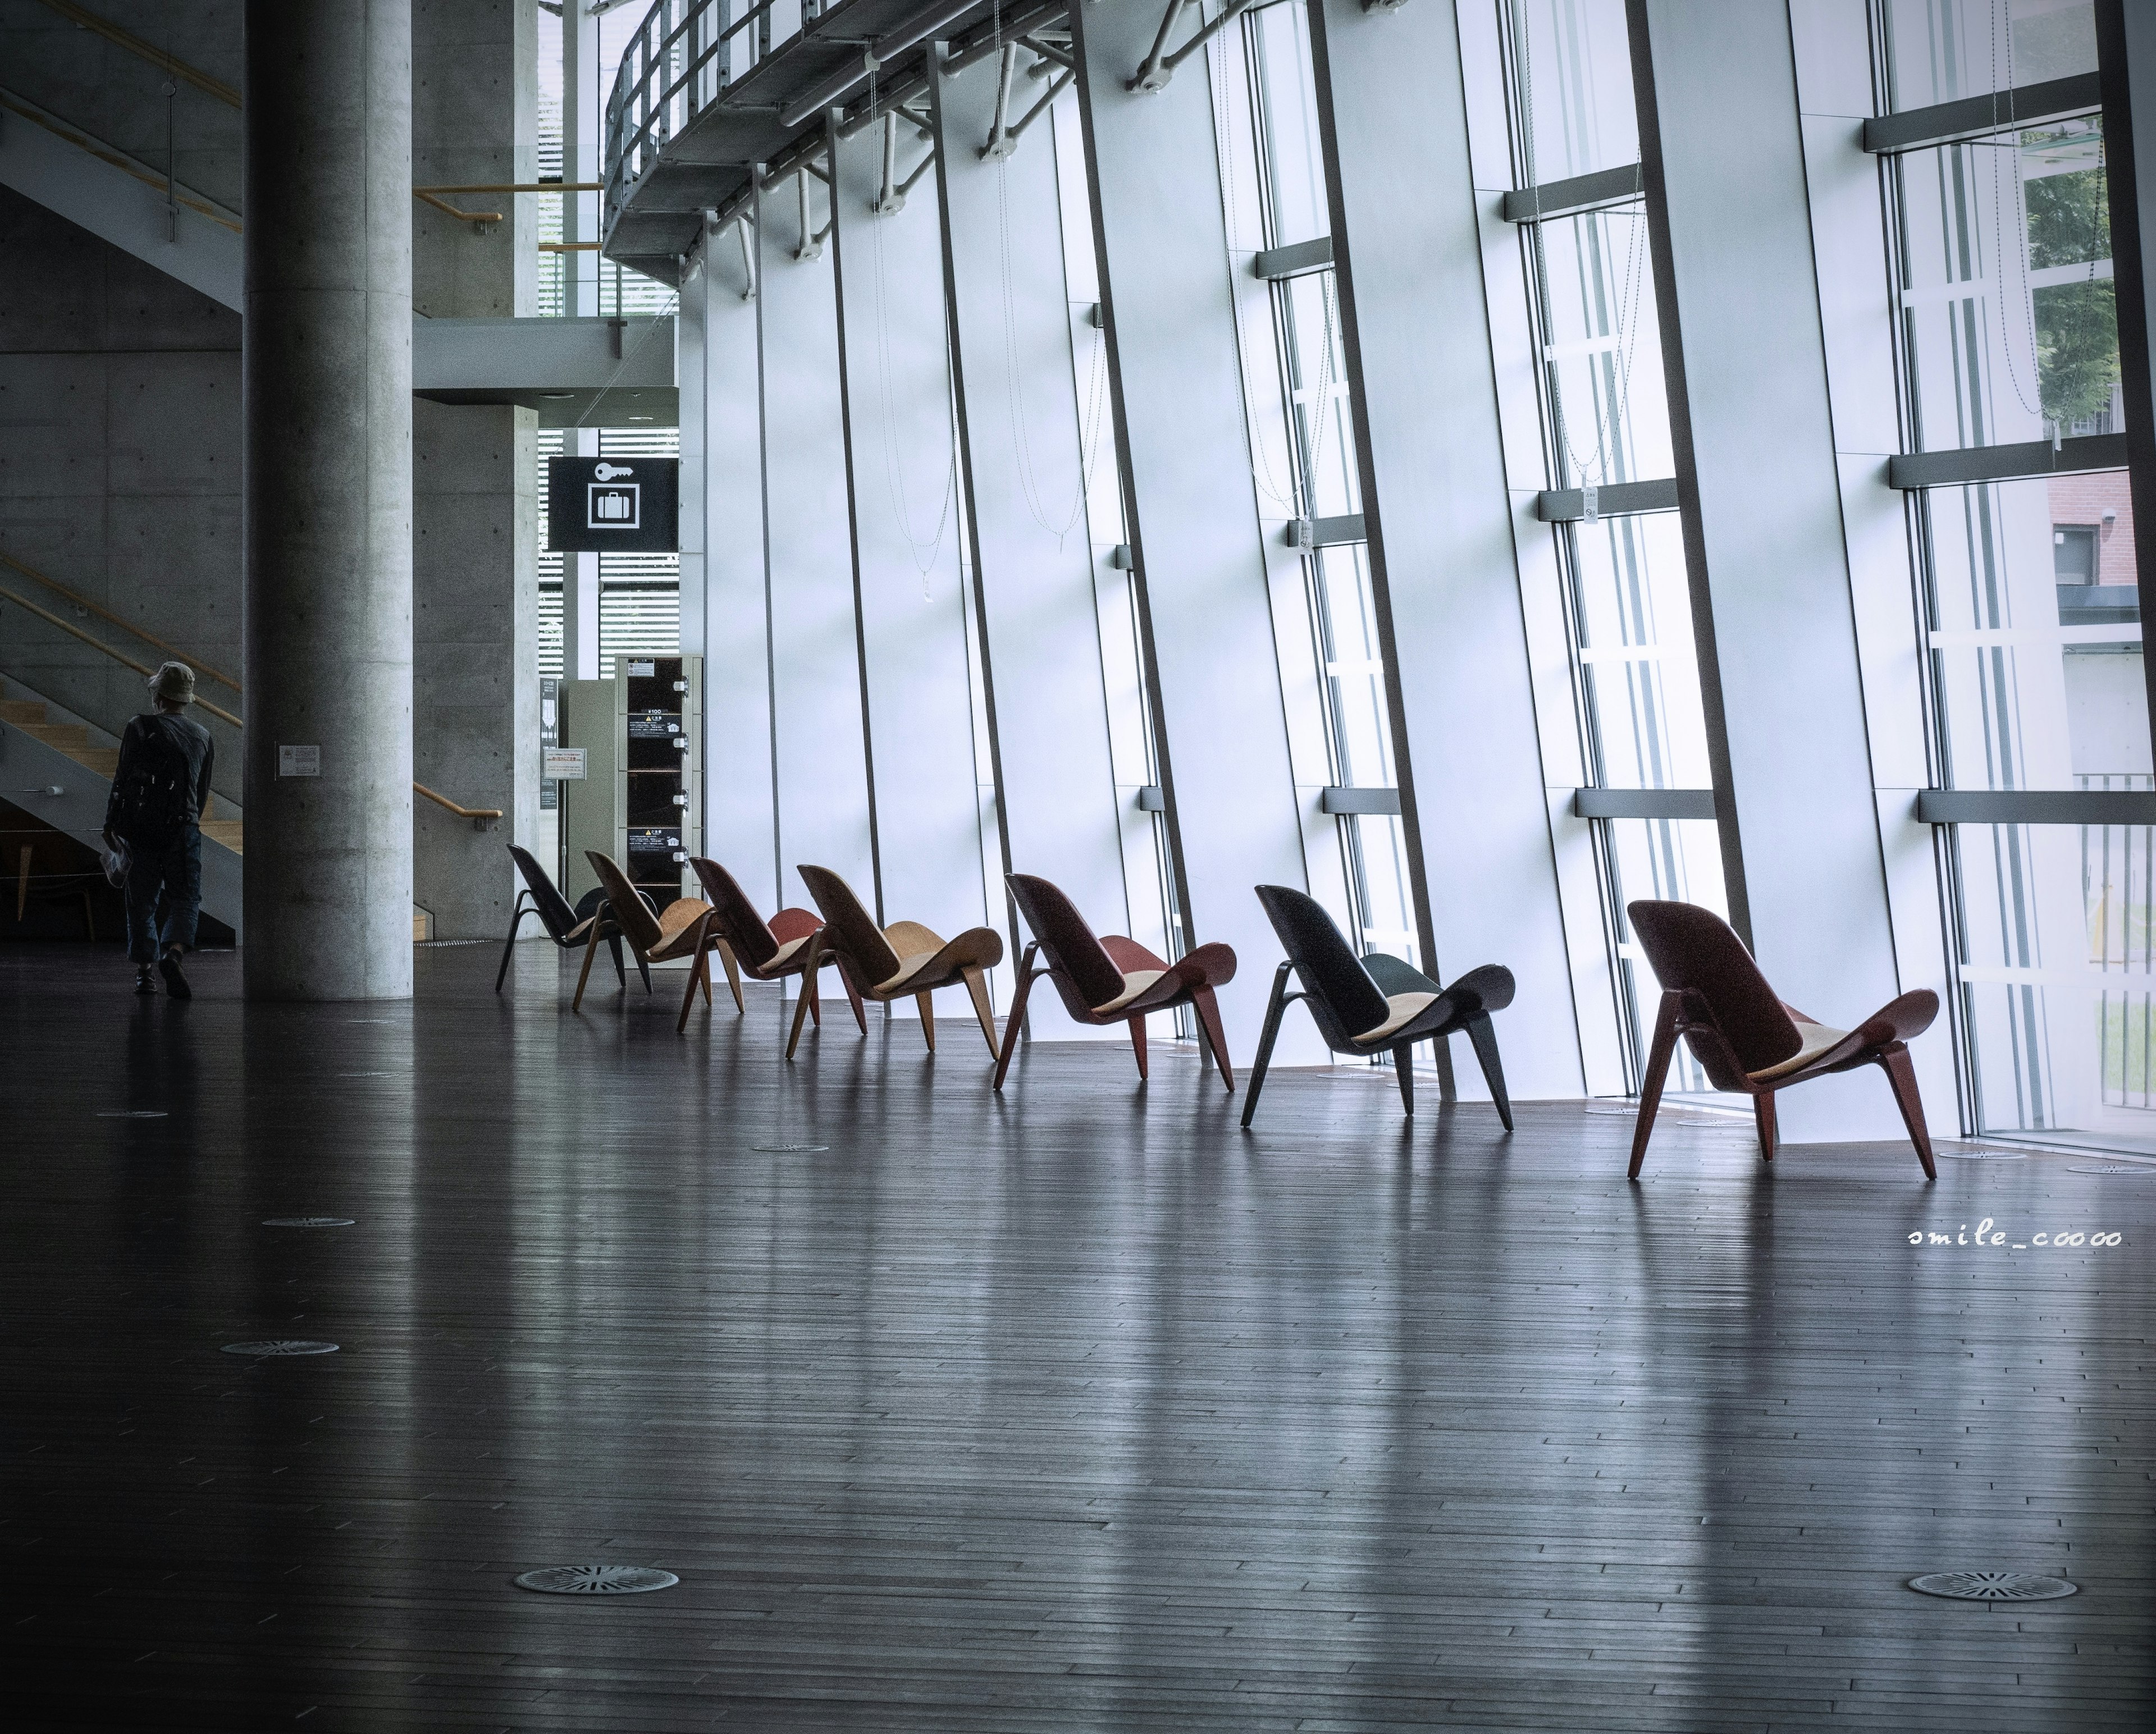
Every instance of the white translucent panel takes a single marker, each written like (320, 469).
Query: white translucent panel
(1295, 161)
(2035, 635)
(2058, 965)
(1309, 322)
(1941, 50)
(1638, 662)
(1602, 348)
(1671, 860)
(1377, 849)
(2009, 322)
(1354, 669)
(1572, 70)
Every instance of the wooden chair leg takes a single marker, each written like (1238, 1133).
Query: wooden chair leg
(1138, 1044)
(1763, 1115)
(620, 971)
(801, 1008)
(1651, 1086)
(1404, 1064)
(928, 1019)
(699, 971)
(1902, 1076)
(1016, 1022)
(509, 945)
(1208, 1009)
(584, 975)
(1275, 1008)
(733, 974)
(977, 984)
(814, 995)
(1484, 1036)
(853, 996)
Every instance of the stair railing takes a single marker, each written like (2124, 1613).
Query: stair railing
(483, 818)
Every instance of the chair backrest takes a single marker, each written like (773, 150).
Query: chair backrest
(1344, 1000)
(1693, 950)
(631, 914)
(1083, 973)
(849, 929)
(738, 922)
(554, 911)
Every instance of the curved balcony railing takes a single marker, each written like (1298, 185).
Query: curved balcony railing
(684, 53)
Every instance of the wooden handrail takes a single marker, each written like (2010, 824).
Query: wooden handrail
(82, 141)
(121, 656)
(460, 812)
(83, 601)
(157, 57)
(426, 198)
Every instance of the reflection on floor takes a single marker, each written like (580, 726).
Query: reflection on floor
(1078, 1409)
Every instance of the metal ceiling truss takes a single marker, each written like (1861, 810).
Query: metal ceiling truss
(1160, 65)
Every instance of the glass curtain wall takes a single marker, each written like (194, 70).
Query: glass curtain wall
(2008, 335)
(1604, 423)
(1306, 465)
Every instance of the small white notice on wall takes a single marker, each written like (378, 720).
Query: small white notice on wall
(298, 761)
(564, 764)
(645, 670)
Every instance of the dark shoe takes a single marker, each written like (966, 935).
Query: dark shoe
(145, 982)
(176, 984)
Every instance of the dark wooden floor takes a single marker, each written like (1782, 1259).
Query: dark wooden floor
(1077, 1410)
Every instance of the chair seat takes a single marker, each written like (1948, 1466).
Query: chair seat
(908, 968)
(784, 955)
(1137, 984)
(1817, 1038)
(1403, 1008)
(677, 928)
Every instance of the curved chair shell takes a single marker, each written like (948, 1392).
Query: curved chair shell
(683, 929)
(567, 927)
(887, 963)
(770, 951)
(1376, 1003)
(1111, 979)
(1747, 1039)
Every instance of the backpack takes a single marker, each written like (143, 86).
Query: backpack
(155, 795)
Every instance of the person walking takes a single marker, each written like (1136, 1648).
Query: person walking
(154, 817)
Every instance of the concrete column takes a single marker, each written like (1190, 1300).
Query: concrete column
(327, 497)
(475, 573)
(740, 818)
(1019, 434)
(1723, 157)
(900, 473)
(1400, 184)
(1181, 439)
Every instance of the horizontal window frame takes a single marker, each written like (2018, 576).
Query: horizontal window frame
(1345, 531)
(1614, 499)
(1576, 195)
(2036, 806)
(1642, 803)
(1276, 265)
(2030, 460)
(1341, 801)
(1971, 117)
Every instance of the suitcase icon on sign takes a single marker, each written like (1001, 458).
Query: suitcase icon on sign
(612, 505)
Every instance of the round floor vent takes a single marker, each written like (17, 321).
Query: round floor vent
(1993, 1585)
(133, 1114)
(1986, 1155)
(280, 1346)
(597, 1580)
(306, 1222)
(790, 1149)
(2111, 1168)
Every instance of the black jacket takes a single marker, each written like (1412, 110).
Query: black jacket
(186, 734)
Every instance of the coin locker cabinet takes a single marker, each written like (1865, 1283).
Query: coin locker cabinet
(642, 798)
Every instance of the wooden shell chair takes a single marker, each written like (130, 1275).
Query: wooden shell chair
(1111, 979)
(889, 963)
(683, 929)
(1375, 1002)
(564, 926)
(1746, 1040)
(769, 951)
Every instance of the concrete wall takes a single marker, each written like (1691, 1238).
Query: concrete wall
(119, 468)
(475, 524)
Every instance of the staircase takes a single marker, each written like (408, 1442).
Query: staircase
(73, 739)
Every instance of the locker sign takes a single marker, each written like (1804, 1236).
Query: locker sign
(613, 506)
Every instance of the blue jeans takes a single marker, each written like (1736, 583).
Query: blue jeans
(172, 865)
